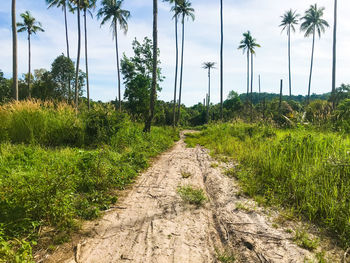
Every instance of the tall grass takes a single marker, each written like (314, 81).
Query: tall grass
(303, 169)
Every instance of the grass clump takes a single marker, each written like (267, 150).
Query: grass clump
(302, 239)
(225, 256)
(185, 174)
(192, 195)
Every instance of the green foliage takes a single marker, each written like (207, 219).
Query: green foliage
(15, 251)
(303, 240)
(302, 169)
(192, 195)
(5, 88)
(226, 256)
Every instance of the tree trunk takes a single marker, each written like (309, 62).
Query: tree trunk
(208, 101)
(78, 59)
(86, 61)
(222, 59)
(68, 55)
(281, 91)
(14, 51)
(181, 69)
(312, 63)
(29, 66)
(289, 64)
(154, 73)
(259, 87)
(118, 67)
(334, 67)
(251, 87)
(248, 71)
(176, 69)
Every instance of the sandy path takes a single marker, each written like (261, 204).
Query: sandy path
(152, 224)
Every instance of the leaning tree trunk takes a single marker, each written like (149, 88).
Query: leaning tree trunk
(176, 68)
(118, 67)
(86, 62)
(312, 63)
(334, 67)
(289, 64)
(14, 51)
(68, 55)
(78, 59)
(221, 59)
(29, 66)
(181, 69)
(154, 73)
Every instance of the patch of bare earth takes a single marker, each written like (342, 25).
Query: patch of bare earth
(153, 224)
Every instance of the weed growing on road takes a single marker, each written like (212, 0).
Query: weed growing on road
(225, 256)
(302, 239)
(192, 195)
(185, 174)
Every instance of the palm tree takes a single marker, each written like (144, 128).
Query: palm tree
(14, 51)
(112, 10)
(334, 52)
(148, 122)
(31, 26)
(253, 44)
(63, 4)
(87, 6)
(208, 66)
(312, 23)
(221, 58)
(175, 2)
(289, 20)
(183, 10)
(245, 46)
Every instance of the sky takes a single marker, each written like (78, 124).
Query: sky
(202, 44)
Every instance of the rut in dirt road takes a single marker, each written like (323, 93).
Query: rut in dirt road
(153, 224)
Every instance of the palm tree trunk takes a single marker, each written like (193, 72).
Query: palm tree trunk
(334, 67)
(14, 51)
(289, 64)
(176, 68)
(155, 62)
(181, 68)
(86, 61)
(312, 63)
(29, 65)
(78, 59)
(67, 43)
(248, 71)
(118, 67)
(208, 100)
(251, 87)
(221, 58)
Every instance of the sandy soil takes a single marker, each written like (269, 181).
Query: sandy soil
(153, 224)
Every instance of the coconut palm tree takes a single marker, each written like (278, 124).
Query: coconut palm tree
(221, 58)
(183, 10)
(208, 66)
(31, 26)
(313, 23)
(245, 46)
(148, 122)
(14, 51)
(334, 52)
(112, 10)
(252, 46)
(289, 20)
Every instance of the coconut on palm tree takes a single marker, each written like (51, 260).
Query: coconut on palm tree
(313, 23)
(208, 66)
(14, 51)
(289, 20)
(30, 26)
(183, 10)
(111, 10)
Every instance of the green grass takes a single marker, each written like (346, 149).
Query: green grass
(303, 169)
(225, 256)
(185, 174)
(302, 239)
(192, 195)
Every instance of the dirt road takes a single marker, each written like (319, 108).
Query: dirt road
(153, 224)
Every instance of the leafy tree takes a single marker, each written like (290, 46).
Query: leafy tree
(313, 23)
(183, 10)
(14, 50)
(31, 26)
(137, 74)
(5, 88)
(289, 20)
(112, 10)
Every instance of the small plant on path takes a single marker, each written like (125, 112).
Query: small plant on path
(192, 195)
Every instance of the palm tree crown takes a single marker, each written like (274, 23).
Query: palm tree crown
(245, 42)
(29, 24)
(289, 20)
(184, 9)
(112, 10)
(209, 65)
(313, 22)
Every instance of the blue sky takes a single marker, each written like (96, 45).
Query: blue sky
(261, 17)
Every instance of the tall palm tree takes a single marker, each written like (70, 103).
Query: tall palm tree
(64, 4)
(245, 46)
(87, 6)
(253, 44)
(313, 23)
(289, 20)
(334, 66)
(14, 51)
(148, 122)
(31, 26)
(221, 58)
(112, 10)
(183, 10)
(208, 66)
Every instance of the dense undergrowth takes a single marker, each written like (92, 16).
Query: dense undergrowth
(304, 169)
(58, 167)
